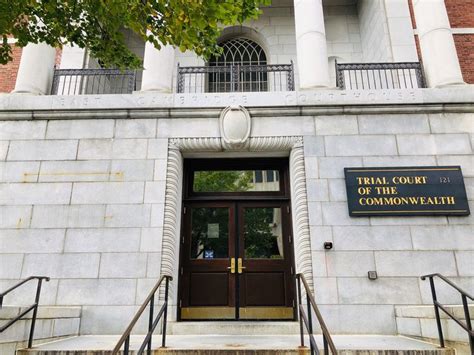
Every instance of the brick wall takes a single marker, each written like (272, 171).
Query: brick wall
(8, 72)
(465, 47)
(460, 13)
(59, 53)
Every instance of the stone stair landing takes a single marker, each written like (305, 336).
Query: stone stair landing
(233, 328)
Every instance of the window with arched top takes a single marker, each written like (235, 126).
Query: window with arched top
(242, 66)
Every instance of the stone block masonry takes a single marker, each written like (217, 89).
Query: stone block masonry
(83, 201)
(73, 207)
(51, 323)
(399, 249)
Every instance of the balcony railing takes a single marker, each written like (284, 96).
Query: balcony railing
(240, 78)
(93, 81)
(236, 78)
(378, 76)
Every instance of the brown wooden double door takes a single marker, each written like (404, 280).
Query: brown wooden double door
(236, 261)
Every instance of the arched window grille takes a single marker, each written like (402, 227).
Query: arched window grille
(242, 66)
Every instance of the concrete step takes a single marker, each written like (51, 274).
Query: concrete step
(420, 322)
(242, 345)
(233, 328)
(51, 323)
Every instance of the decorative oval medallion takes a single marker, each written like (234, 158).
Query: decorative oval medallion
(235, 125)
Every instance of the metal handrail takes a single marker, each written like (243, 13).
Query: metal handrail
(235, 71)
(93, 81)
(33, 307)
(152, 321)
(306, 319)
(382, 73)
(437, 306)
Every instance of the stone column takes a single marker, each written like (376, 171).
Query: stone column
(36, 70)
(440, 59)
(72, 57)
(158, 69)
(311, 44)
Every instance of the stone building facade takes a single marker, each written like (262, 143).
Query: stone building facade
(91, 186)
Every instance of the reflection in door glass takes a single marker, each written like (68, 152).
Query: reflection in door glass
(209, 233)
(263, 236)
(236, 180)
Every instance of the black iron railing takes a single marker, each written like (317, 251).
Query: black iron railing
(152, 321)
(378, 76)
(437, 306)
(93, 81)
(236, 78)
(33, 307)
(306, 319)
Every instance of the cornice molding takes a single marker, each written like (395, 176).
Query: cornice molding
(254, 144)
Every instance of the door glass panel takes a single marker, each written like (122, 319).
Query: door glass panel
(209, 233)
(263, 236)
(236, 180)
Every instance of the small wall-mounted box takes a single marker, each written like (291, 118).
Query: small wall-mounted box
(372, 275)
(328, 245)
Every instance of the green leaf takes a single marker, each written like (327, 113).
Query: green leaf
(98, 24)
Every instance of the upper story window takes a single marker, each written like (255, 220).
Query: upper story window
(240, 51)
(240, 67)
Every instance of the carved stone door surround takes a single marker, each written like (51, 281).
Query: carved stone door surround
(173, 196)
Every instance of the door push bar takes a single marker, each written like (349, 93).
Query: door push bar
(239, 266)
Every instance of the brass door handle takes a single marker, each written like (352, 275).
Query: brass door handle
(239, 265)
(232, 266)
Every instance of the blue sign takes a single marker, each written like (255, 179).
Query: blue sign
(208, 254)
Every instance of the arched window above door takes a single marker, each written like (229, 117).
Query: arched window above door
(239, 51)
(241, 67)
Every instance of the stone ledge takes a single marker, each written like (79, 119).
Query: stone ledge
(44, 312)
(152, 105)
(428, 311)
(277, 111)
